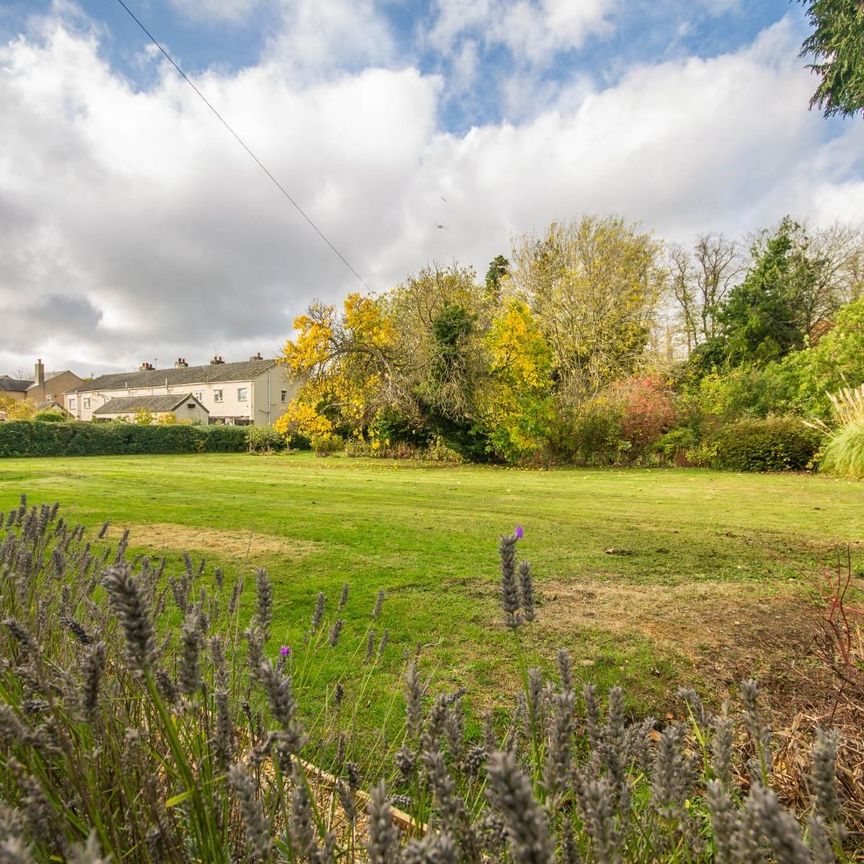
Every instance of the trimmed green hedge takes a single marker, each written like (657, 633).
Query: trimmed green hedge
(26, 438)
(773, 444)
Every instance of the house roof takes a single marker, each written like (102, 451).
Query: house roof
(153, 404)
(13, 385)
(51, 376)
(212, 373)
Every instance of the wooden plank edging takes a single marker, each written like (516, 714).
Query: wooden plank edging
(400, 818)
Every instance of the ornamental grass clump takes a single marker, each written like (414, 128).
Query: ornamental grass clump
(843, 450)
(140, 722)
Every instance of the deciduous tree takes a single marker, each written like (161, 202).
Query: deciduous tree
(345, 363)
(517, 404)
(441, 315)
(16, 409)
(700, 280)
(594, 286)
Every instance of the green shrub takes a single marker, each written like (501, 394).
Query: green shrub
(220, 439)
(26, 438)
(773, 444)
(747, 391)
(835, 361)
(50, 417)
(359, 449)
(677, 446)
(390, 426)
(597, 432)
(327, 443)
(264, 439)
(436, 451)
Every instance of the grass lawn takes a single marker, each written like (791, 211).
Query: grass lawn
(649, 577)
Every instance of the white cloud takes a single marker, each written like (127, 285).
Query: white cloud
(140, 207)
(720, 7)
(132, 226)
(218, 10)
(463, 73)
(533, 30)
(455, 17)
(317, 38)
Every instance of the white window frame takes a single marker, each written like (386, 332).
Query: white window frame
(85, 402)
(198, 394)
(283, 396)
(242, 394)
(217, 395)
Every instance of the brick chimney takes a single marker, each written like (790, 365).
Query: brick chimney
(180, 363)
(256, 356)
(216, 360)
(40, 373)
(145, 367)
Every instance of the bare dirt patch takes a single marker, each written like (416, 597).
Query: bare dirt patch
(729, 631)
(227, 544)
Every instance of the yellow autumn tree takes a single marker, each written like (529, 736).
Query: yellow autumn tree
(518, 404)
(16, 409)
(344, 365)
(594, 285)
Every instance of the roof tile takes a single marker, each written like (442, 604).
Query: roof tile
(212, 373)
(154, 404)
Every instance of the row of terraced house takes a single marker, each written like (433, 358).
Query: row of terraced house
(253, 392)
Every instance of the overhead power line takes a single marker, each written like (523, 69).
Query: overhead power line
(243, 144)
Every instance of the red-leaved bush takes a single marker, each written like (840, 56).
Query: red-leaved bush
(647, 413)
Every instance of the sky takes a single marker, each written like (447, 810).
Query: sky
(133, 227)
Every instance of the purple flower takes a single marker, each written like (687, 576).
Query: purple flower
(285, 651)
(518, 533)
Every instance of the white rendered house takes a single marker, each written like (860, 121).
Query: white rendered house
(254, 392)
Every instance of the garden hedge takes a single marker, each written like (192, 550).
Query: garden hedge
(27, 438)
(772, 444)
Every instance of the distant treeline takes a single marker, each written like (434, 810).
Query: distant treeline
(593, 343)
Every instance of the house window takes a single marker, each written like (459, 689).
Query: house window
(217, 395)
(86, 402)
(71, 401)
(242, 394)
(198, 394)
(283, 395)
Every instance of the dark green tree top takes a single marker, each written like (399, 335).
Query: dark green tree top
(761, 319)
(499, 267)
(837, 48)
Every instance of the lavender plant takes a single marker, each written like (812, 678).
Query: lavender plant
(140, 723)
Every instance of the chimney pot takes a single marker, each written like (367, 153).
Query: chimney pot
(181, 363)
(256, 356)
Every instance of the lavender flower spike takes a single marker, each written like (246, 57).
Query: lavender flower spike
(382, 844)
(510, 793)
(510, 599)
